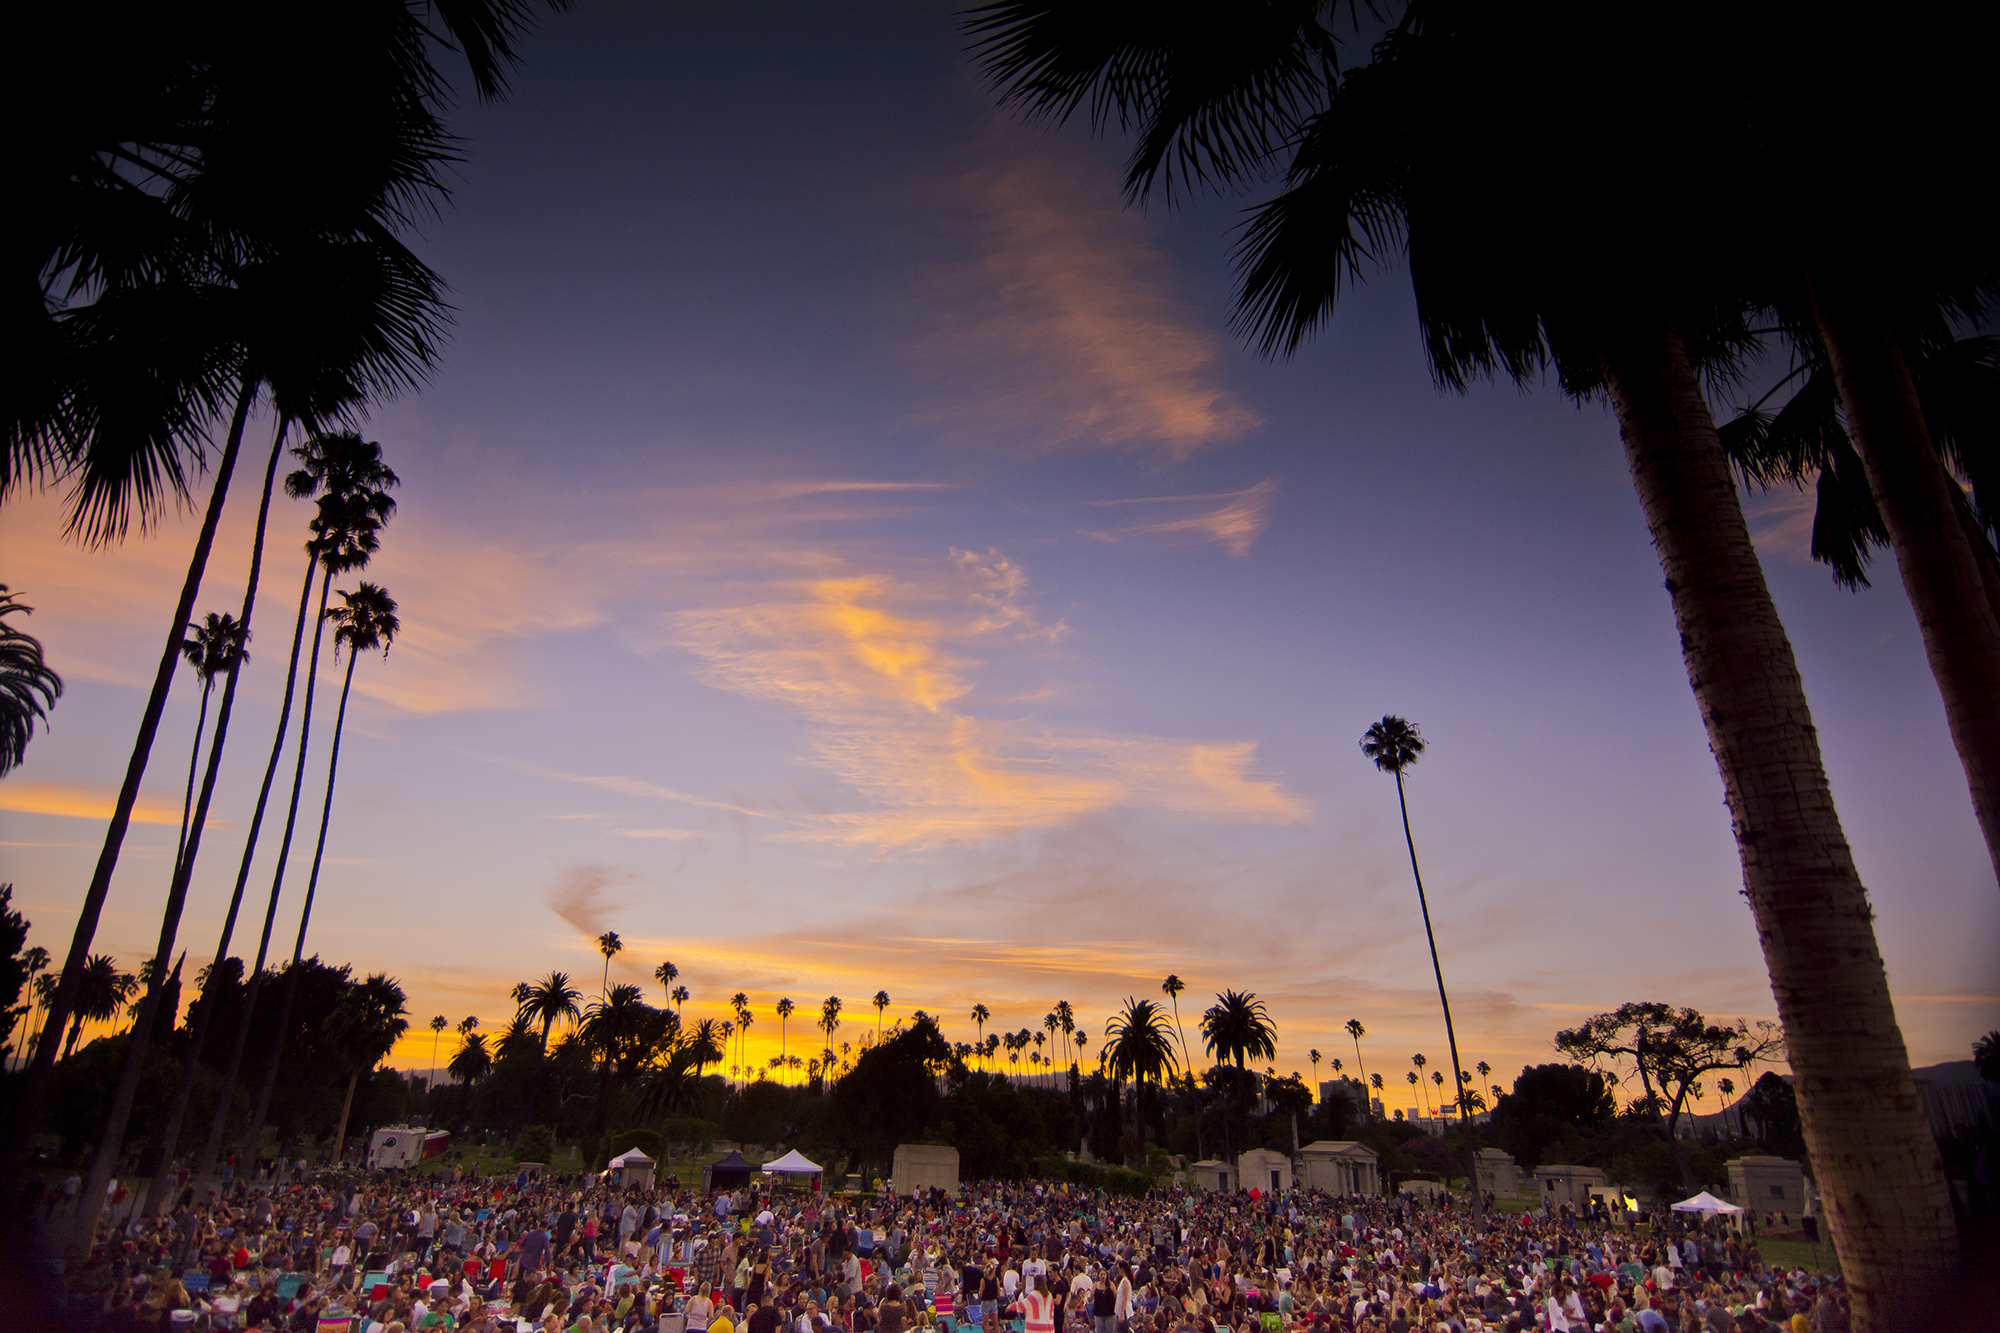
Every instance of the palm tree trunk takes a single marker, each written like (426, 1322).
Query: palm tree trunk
(204, 1006)
(1444, 1001)
(312, 884)
(147, 1014)
(254, 982)
(1872, 1150)
(194, 769)
(1911, 487)
(278, 875)
(340, 1135)
(29, 1112)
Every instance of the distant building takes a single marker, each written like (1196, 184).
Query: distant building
(1560, 1184)
(922, 1166)
(1499, 1173)
(1262, 1169)
(1352, 1091)
(1768, 1185)
(1213, 1177)
(1340, 1166)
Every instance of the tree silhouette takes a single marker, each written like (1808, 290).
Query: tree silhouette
(608, 944)
(28, 688)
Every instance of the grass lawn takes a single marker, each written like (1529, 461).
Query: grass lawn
(1801, 1253)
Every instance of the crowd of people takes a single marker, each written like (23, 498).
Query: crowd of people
(395, 1254)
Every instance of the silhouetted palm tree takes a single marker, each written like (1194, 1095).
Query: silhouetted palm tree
(212, 649)
(550, 1000)
(785, 1010)
(438, 1024)
(1139, 1046)
(365, 621)
(105, 991)
(472, 1060)
(881, 1003)
(980, 1013)
(608, 944)
(1172, 987)
(362, 1029)
(28, 688)
(1356, 1031)
(666, 974)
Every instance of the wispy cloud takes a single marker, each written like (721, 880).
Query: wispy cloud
(1060, 328)
(77, 801)
(885, 674)
(1233, 519)
(587, 896)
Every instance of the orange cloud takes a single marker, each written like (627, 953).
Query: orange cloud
(1237, 521)
(1061, 327)
(882, 672)
(76, 801)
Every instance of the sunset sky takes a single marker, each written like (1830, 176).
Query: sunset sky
(846, 549)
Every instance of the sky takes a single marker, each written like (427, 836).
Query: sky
(846, 549)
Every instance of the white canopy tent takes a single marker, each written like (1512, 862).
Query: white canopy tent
(794, 1163)
(635, 1166)
(1705, 1202)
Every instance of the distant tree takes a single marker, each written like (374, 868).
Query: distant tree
(891, 1094)
(103, 993)
(1139, 1046)
(666, 974)
(213, 648)
(608, 944)
(1356, 1031)
(472, 1060)
(1670, 1050)
(1549, 1102)
(550, 999)
(1771, 1114)
(364, 1027)
(1986, 1057)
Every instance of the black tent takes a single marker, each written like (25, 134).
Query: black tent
(728, 1174)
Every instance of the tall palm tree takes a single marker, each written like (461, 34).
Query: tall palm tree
(28, 688)
(1419, 1061)
(212, 649)
(352, 483)
(881, 1003)
(1066, 1015)
(1237, 1028)
(743, 1022)
(706, 1043)
(1139, 1046)
(679, 995)
(1625, 291)
(980, 1013)
(518, 1040)
(666, 974)
(1173, 986)
(1357, 1032)
(1314, 1056)
(785, 1010)
(608, 944)
(365, 621)
(438, 1024)
(362, 1029)
(1393, 745)
(829, 1018)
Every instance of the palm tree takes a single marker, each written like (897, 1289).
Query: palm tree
(1314, 1056)
(1066, 1015)
(829, 1021)
(743, 1022)
(1375, 1082)
(1173, 986)
(666, 974)
(1236, 1028)
(739, 1004)
(980, 1013)
(608, 944)
(28, 688)
(212, 650)
(1626, 291)
(1419, 1061)
(785, 1010)
(366, 620)
(105, 991)
(1356, 1031)
(679, 996)
(438, 1024)
(1394, 744)
(1416, 1083)
(472, 1060)
(518, 1040)
(706, 1044)
(363, 1028)
(1139, 1047)
(549, 1000)
(881, 1003)
(352, 484)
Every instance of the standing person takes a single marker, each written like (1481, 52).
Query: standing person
(1037, 1306)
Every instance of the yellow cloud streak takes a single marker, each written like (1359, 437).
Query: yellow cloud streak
(75, 801)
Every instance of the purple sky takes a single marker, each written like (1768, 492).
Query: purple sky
(846, 549)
